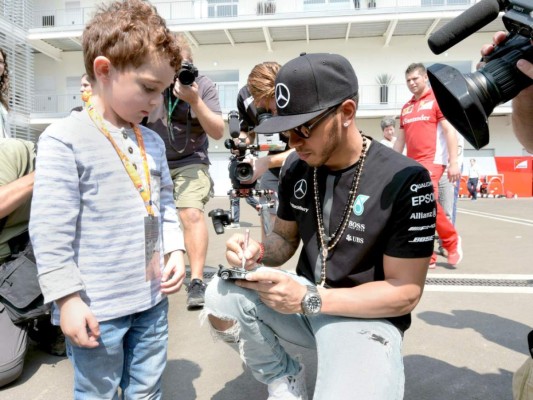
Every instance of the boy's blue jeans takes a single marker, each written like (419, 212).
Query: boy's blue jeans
(132, 354)
(357, 358)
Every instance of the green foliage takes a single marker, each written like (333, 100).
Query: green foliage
(384, 79)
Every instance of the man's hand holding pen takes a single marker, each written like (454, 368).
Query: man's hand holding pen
(242, 251)
(276, 289)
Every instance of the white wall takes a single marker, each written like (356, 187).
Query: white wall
(369, 57)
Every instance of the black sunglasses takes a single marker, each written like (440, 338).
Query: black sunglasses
(304, 130)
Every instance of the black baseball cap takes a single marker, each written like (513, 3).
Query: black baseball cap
(308, 85)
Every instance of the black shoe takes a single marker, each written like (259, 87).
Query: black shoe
(57, 347)
(48, 337)
(196, 294)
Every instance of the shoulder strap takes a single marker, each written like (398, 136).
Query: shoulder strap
(2, 223)
(28, 168)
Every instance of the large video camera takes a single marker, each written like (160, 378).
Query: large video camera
(468, 100)
(240, 168)
(241, 173)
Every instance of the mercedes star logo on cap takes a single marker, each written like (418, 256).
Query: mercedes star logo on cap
(282, 95)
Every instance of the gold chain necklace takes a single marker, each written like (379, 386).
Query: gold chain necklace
(327, 245)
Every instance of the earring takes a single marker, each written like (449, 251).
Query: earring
(346, 124)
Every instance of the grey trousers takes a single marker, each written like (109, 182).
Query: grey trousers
(13, 347)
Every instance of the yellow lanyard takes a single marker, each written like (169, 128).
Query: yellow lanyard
(144, 191)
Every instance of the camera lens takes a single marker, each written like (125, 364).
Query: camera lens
(187, 73)
(262, 115)
(244, 171)
(467, 100)
(186, 77)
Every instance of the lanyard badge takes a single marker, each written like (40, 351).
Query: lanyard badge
(151, 223)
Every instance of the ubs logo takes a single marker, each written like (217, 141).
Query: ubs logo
(282, 95)
(300, 189)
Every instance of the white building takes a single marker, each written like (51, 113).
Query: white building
(229, 37)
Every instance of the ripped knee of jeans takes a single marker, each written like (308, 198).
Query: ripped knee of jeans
(222, 327)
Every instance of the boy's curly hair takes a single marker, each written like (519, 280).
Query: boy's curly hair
(127, 32)
(4, 82)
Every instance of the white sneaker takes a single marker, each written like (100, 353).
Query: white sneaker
(233, 226)
(289, 387)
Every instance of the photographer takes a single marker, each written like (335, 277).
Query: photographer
(523, 103)
(523, 128)
(17, 159)
(189, 114)
(257, 94)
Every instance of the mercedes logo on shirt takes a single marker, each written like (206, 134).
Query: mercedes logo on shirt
(282, 95)
(300, 189)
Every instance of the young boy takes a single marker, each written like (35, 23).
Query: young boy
(103, 219)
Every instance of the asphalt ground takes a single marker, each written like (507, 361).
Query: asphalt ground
(467, 338)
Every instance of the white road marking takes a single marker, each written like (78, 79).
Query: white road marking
(479, 288)
(513, 220)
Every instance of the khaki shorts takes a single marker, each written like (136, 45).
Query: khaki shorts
(193, 186)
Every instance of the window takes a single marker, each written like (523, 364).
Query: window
(306, 2)
(227, 82)
(457, 2)
(320, 5)
(48, 20)
(73, 13)
(222, 8)
(266, 7)
(445, 2)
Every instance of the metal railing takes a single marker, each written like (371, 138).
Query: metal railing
(55, 105)
(181, 11)
(370, 97)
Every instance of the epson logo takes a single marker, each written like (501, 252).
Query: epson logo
(426, 198)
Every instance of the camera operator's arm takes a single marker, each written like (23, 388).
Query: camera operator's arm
(14, 194)
(211, 122)
(522, 117)
(262, 164)
(250, 137)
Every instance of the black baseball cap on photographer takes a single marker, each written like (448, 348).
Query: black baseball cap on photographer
(308, 85)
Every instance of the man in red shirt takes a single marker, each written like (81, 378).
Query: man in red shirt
(430, 140)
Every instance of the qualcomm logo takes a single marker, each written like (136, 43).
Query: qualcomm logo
(282, 95)
(358, 205)
(300, 189)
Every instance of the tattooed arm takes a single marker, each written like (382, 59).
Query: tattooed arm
(279, 246)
